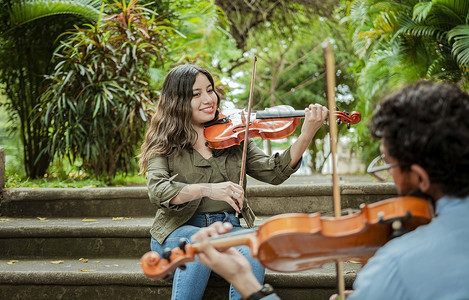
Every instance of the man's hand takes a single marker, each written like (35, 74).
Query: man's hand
(228, 263)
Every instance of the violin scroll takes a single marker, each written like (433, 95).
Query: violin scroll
(155, 266)
(349, 119)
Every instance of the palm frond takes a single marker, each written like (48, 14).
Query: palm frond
(453, 8)
(24, 11)
(460, 46)
(422, 31)
(421, 11)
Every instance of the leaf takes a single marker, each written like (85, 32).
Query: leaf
(121, 218)
(83, 270)
(85, 260)
(89, 220)
(13, 262)
(354, 262)
(43, 219)
(57, 262)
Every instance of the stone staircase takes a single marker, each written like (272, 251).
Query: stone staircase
(86, 243)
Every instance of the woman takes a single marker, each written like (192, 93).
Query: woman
(193, 186)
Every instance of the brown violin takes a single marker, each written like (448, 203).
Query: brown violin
(296, 242)
(272, 123)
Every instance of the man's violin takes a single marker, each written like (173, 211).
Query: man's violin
(296, 242)
(272, 123)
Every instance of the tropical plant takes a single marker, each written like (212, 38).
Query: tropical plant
(28, 31)
(290, 69)
(99, 99)
(400, 42)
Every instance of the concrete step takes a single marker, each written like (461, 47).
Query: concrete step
(77, 237)
(45, 235)
(133, 201)
(122, 278)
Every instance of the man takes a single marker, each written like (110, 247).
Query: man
(424, 133)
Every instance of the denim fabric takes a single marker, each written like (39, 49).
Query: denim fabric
(190, 284)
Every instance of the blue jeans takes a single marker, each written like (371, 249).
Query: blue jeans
(190, 284)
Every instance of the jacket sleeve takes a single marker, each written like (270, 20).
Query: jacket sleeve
(161, 186)
(273, 169)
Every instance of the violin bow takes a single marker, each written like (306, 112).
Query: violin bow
(248, 120)
(330, 93)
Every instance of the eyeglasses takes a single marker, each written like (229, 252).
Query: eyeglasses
(380, 169)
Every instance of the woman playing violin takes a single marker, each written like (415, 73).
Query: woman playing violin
(193, 186)
(424, 133)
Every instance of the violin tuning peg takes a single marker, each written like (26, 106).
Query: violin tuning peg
(182, 244)
(167, 254)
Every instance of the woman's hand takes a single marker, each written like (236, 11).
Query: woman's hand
(315, 115)
(230, 192)
(228, 263)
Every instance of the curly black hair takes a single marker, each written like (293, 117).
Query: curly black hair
(427, 123)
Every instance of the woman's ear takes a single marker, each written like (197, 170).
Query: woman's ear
(424, 179)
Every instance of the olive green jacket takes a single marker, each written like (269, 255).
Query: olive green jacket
(167, 175)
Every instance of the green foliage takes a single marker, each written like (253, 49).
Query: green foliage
(290, 69)
(25, 11)
(400, 42)
(72, 180)
(28, 31)
(99, 99)
(206, 40)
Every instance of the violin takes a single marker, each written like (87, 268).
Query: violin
(272, 123)
(297, 241)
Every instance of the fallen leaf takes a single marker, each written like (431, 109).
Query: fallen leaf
(56, 262)
(85, 260)
(4, 219)
(13, 262)
(35, 187)
(96, 261)
(354, 262)
(89, 220)
(121, 218)
(82, 270)
(42, 219)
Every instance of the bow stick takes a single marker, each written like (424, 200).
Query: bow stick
(330, 85)
(248, 120)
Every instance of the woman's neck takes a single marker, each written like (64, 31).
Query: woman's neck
(200, 144)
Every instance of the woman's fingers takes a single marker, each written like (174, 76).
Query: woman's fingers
(230, 192)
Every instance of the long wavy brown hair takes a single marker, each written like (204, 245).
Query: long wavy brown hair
(171, 126)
